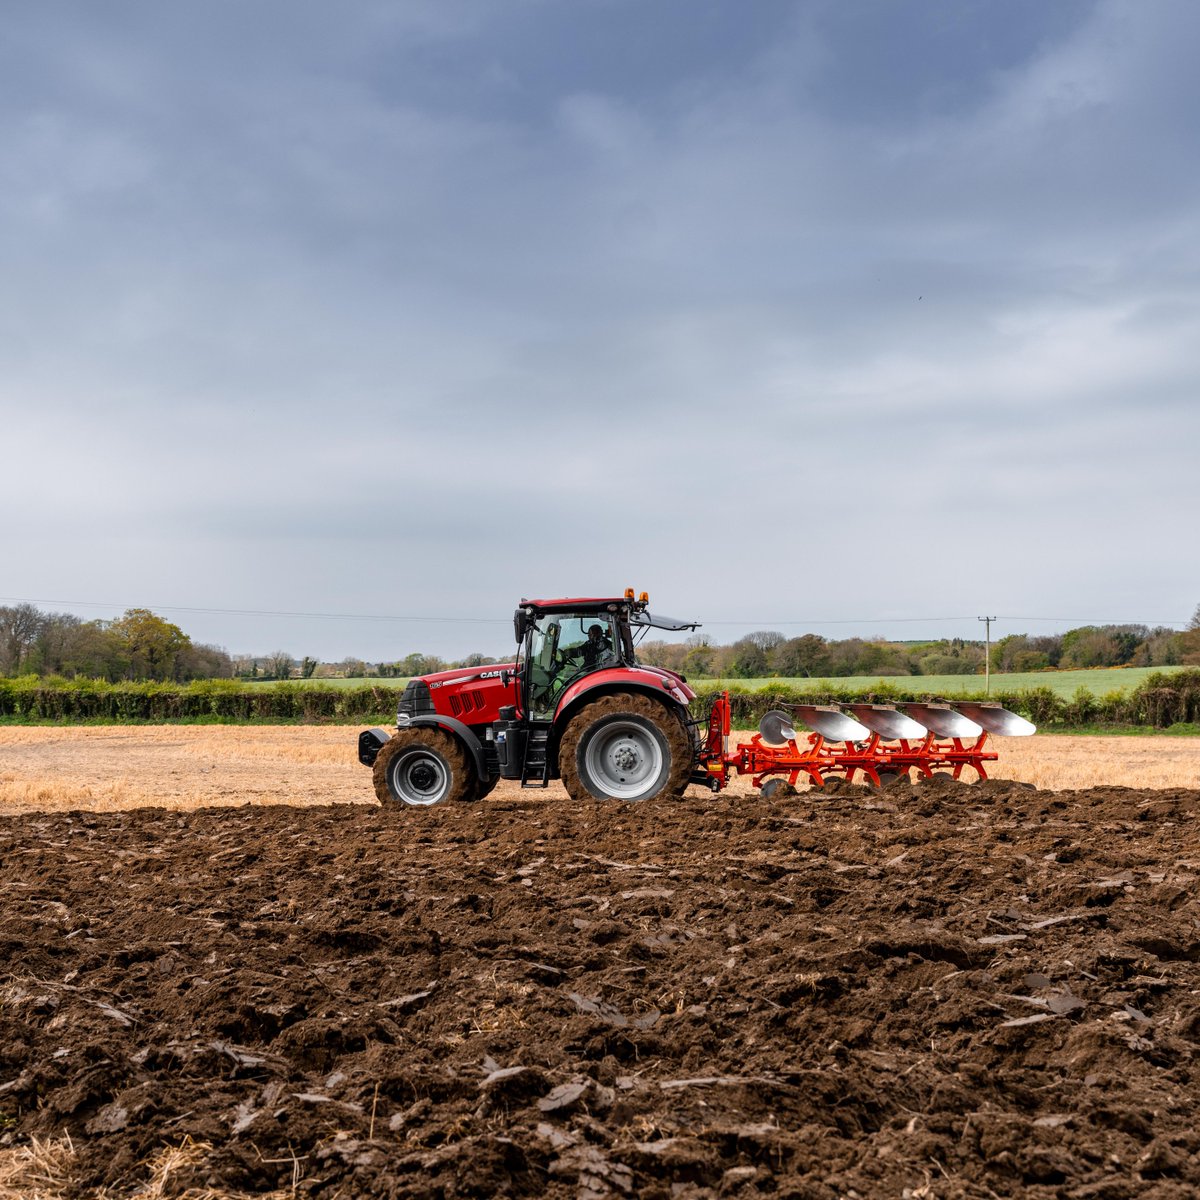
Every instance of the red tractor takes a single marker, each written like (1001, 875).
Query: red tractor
(578, 706)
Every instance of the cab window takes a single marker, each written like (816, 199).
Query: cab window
(564, 646)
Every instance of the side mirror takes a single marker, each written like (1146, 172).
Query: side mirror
(520, 624)
(505, 678)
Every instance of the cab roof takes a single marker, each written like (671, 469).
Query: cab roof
(638, 613)
(573, 603)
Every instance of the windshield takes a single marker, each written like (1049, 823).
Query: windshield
(562, 647)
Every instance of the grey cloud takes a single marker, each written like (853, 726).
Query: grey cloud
(423, 306)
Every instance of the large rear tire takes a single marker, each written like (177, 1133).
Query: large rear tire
(422, 767)
(625, 747)
(483, 788)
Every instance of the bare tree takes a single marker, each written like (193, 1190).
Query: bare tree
(20, 627)
(278, 665)
(765, 639)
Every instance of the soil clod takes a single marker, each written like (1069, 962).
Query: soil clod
(952, 993)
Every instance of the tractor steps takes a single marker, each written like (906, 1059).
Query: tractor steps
(535, 767)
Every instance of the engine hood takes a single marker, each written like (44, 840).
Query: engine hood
(462, 675)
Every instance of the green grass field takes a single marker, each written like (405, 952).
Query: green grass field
(1062, 683)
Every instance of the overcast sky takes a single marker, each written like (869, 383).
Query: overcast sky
(788, 312)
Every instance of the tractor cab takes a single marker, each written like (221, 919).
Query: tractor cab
(561, 648)
(564, 640)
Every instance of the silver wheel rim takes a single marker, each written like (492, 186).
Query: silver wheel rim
(419, 778)
(624, 760)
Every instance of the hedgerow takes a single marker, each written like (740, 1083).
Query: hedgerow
(1161, 701)
(36, 699)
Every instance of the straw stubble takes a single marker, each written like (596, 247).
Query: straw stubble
(110, 768)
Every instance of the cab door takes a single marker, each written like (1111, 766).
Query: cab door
(539, 673)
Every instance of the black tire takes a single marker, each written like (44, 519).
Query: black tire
(625, 747)
(484, 787)
(421, 767)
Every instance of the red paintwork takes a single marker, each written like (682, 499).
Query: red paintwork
(473, 695)
(821, 758)
(579, 602)
(651, 678)
(465, 674)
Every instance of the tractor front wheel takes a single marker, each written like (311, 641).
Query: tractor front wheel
(421, 767)
(625, 747)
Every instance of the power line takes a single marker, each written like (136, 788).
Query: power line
(943, 620)
(441, 620)
(258, 612)
(845, 621)
(1091, 621)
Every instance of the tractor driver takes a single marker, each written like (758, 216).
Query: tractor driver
(596, 649)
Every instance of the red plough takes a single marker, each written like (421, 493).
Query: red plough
(880, 742)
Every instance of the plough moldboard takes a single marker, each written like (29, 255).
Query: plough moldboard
(880, 742)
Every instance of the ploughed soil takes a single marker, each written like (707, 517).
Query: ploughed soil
(933, 991)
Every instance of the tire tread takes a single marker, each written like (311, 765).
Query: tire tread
(463, 782)
(623, 704)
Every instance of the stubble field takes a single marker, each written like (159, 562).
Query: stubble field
(104, 768)
(941, 991)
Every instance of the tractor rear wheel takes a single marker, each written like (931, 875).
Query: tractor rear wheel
(420, 767)
(625, 747)
(484, 787)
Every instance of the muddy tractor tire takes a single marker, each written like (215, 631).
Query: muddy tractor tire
(484, 787)
(625, 747)
(421, 767)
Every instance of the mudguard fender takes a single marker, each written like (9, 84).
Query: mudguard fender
(370, 742)
(661, 685)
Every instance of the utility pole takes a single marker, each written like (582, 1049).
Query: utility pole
(987, 661)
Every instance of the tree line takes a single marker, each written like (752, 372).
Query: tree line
(766, 653)
(140, 645)
(136, 646)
